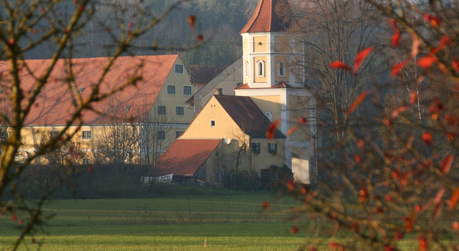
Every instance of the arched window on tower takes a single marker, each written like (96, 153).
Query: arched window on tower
(261, 68)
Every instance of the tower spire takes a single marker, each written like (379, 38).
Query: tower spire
(270, 16)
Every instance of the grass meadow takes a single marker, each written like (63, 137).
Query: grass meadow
(199, 222)
(224, 222)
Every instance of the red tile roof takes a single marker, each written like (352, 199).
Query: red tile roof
(185, 156)
(270, 16)
(55, 104)
(247, 115)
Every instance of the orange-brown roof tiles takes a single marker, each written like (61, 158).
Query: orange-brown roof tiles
(55, 103)
(185, 156)
(270, 16)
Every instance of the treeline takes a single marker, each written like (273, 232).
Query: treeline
(218, 21)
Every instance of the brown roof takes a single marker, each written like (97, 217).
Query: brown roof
(55, 103)
(185, 156)
(247, 115)
(270, 16)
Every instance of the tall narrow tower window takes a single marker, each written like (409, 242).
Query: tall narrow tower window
(261, 68)
(281, 69)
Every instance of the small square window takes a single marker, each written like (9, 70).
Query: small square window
(187, 90)
(3, 135)
(256, 148)
(272, 148)
(162, 110)
(179, 110)
(54, 133)
(86, 135)
(171, 89)
(212, 123)
(179, 68)
(178, 134)
(161, 135)
(85, 162)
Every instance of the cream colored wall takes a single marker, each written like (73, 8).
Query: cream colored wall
(33, 137)
(298, 108)
(266, 159)
(260, 79)
(172, 101)
(260, 44)
(225, 127)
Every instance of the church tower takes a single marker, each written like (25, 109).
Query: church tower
(270, 47)
(273, 77)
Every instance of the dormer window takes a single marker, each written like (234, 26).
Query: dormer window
(179, 68)
(261, 68)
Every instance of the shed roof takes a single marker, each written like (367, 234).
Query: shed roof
(185, 156)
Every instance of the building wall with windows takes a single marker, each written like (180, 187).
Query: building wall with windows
(215, 122)
(156, 110)
(171, 112)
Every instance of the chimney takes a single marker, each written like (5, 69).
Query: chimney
(219, 91)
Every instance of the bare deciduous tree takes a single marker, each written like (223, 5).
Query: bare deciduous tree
(61, 27)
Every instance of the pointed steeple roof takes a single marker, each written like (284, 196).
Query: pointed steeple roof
(270, 16)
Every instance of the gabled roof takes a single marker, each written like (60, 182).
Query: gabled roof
(270, 16)
(232, 73)
(185, 156)
(247, 115)
(55, 104)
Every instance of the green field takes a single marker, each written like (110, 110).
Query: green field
(225, 222)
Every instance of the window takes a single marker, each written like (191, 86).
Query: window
(161, 135)
(281, 69)
(179, 110)
(178, 134)
(187, 90)
(256, 148)
(272, 148)
(3, 135)
(179, 68)
(162, 110)
(261, 68)
(212, 123)
(54, 133)
(171, 89)
(85, 162)
(86, 135)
